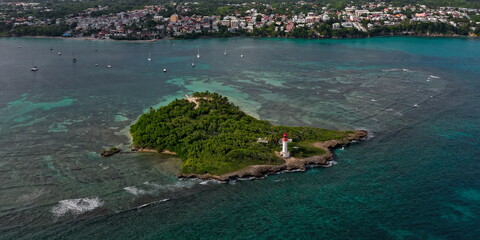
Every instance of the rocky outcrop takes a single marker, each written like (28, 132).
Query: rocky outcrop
(110, 152)
(291, 164)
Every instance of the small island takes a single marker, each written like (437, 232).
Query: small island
(216, 140)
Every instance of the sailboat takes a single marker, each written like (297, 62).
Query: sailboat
(149, 58)
(74, 59)
(225, 52)
(198, 53)
(34, 68)
(59, 53)
(109, 66)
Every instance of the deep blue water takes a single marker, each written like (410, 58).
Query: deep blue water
(416, 178)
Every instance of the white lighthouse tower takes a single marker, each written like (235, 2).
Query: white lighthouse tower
(285, 153)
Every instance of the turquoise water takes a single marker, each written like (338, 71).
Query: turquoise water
(415, 178)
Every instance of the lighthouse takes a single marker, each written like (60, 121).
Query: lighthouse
(285, 153)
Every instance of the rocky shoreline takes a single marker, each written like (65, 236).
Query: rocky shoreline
(291, 164)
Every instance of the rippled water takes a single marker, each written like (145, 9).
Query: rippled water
(417, 178)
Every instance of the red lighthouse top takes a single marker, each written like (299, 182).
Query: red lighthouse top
(285, 139)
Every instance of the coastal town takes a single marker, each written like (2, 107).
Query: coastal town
(298, 20)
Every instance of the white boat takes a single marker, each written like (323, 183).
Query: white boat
(59, 53)
(198, 53)
(164, 70)
(241, 55)
(34, 68)
(109, 66)
(225, 52)
(193, 64)
(149, 58)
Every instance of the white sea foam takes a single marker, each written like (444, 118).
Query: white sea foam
(210, 181)
(135, 191)
(246, 178)
(76, 206)
(103, 167)
(369, 133)
(180, 184)
(152, 203)
(31, 196)
(391, 70)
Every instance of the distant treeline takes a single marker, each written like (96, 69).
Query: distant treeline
(48, 30)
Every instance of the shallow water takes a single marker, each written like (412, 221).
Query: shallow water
(417, 178)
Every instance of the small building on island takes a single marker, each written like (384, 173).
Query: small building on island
(285, 153)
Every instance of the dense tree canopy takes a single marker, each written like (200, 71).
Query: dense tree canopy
(216, 137)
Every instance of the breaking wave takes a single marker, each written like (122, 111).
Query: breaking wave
(135, 191)
(76, 206)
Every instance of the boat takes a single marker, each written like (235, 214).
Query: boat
(164, 70)
(109, 66)
(193, 64)
(149, 58)
(96, 64)
(74, 59)
(59, 53)
(241, 55)
(225, 52)
(34, 68)
(198, 53)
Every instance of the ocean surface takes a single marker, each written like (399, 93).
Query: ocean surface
(416, 177)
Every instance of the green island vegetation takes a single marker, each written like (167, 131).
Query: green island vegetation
(216, 137)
